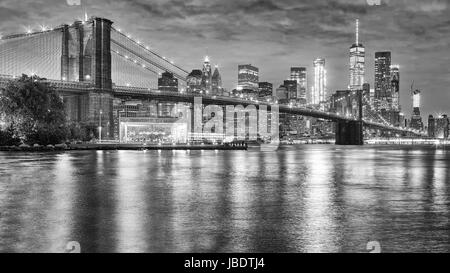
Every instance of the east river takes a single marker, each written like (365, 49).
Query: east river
(309, 198)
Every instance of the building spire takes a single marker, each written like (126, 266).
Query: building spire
(357, 31)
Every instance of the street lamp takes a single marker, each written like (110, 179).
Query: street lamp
(100, 126)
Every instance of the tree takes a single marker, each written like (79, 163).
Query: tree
(33, 111)
(7, 137)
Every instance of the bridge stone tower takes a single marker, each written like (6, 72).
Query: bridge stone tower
(351, 132)
(86, 57)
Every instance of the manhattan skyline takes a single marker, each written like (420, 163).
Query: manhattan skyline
(276, 35)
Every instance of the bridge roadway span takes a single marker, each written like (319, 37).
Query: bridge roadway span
(145, 93)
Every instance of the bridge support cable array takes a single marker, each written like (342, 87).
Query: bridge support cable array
(163, 61)
(126, 72)
(143, 58)
(35, 53)
(374, 115)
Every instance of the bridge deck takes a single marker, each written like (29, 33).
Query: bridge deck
(145, 93)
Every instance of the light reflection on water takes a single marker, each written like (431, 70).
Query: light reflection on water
(298, 199)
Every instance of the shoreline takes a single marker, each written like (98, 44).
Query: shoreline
(140, 147)
(117, 147)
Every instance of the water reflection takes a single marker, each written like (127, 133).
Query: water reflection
(298, 199)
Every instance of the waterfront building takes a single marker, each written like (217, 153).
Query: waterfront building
(151, 130)
(150, 121)
(357, 63)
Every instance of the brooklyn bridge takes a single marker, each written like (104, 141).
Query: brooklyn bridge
(92, 64)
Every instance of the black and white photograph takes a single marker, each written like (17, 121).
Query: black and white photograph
(224, 127)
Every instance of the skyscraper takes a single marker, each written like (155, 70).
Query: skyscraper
(168, 83)
(292, 88)
(395, 87)
(194, 81)
(431, 126)
(248, 77)
(366, 94)
(357, 63)
(383, 98)
(416, 119)
(207, 76)
(416, 102)
(216, 82)
(265, 89)
(441, 129)
(320, 82)
(299, 74)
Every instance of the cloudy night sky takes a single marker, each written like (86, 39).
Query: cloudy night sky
(275, 35)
